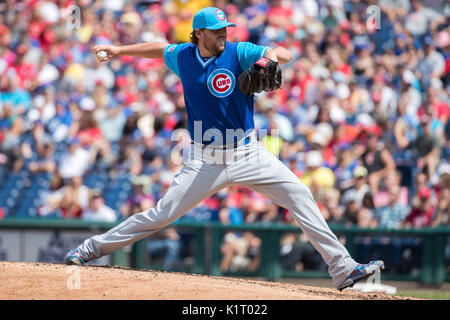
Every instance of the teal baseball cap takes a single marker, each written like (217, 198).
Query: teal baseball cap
(210, 18)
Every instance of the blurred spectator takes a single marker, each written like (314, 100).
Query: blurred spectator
(410, 98)
(240, 252)
(102, 157)
(97, 210)
(279, 15)
(258, 208)
(347, 163)
(330, 207)
(396, 7)
(75, 198)
(43, 108)
(390, 185)
(111, 121)
(316, 175)
(443, 207)
(360, 185)
(377, 160)
(356, 213)
(272, 141)
(229, 212)
(421, 19)
(44, 161)
(12, 126)
(86, 128)
(423, 209)
(393, 213)
(297, 254)
(436, 104)
(168, 244)
(427, 147)
(59, 125)
(293, 166)
(140, 199)
(50, 201)
(130, 160)
(433, 64)
(75, 161)
(13, 94)
(235, 248)
(404, 133)
(240, 33)
(183, 12)
(256, 14)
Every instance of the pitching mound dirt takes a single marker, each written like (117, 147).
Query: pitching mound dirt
(20, 280)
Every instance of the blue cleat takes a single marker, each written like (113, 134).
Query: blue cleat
(361, 272)
(74, 257)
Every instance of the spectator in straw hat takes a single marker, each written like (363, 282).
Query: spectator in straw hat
(317, 176)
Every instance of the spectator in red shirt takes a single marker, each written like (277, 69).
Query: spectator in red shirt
(439, 107)
(75, 199)
(422, 211)
(279, 14)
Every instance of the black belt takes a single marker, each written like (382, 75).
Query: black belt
(226, 147)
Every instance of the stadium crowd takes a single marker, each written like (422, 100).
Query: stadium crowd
(361, 118)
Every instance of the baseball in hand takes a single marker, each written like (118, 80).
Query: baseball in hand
(102, 54)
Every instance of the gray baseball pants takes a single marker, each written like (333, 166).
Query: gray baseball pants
(209, 170)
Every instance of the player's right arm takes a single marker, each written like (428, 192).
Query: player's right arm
(151, 50)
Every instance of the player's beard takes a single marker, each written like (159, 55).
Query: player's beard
(220, 46)
(216, 47)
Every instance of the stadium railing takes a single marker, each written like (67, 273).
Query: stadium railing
(208, 236)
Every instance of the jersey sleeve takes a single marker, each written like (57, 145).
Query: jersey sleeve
(248, 53)
(171, 56)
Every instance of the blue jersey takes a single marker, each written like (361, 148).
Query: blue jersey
(214, 102)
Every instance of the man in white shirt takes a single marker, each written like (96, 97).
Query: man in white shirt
(422, 18)
(433, 63)
(98, 211)
(74, 162)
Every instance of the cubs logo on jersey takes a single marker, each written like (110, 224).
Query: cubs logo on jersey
(221, 83)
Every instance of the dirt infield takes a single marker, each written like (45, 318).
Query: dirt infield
(43, 281)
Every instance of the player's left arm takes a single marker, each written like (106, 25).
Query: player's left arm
(264, 74)
(279, 54)
(248, 53)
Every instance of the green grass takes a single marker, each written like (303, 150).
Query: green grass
(425, 294)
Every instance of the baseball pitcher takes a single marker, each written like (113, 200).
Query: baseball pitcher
(219, 79)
